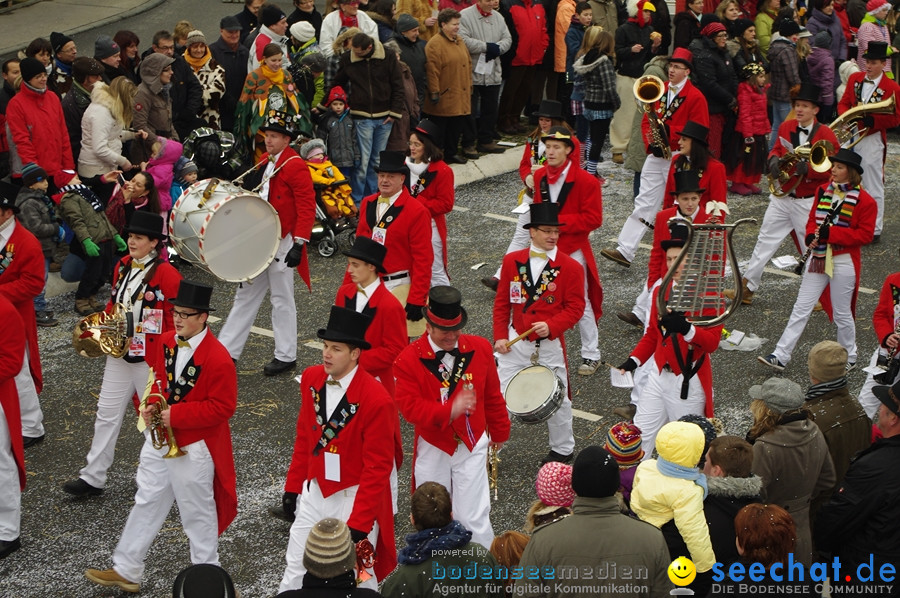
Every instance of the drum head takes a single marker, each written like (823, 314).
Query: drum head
(530, 389)
(240, 238)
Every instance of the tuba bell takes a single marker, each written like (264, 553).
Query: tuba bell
(848, 125)
(648, 90)
(103, 333)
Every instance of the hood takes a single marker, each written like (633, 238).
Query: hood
(735, 487)
(791, 435)
(681, 443)
(28, 194)
(338, 44)
(377, 53)
(778, 46)
(151, 67)
(100, 95)
(847, 68)
(581, 68)
(821, 17)
(171, 152)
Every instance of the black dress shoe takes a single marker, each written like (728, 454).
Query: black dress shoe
(491, 283)
(32, 440)
(554, 456)
(276, 366)
(456, 160)
(7, 547)
(81, 488)
(280, 513)
(630, 318)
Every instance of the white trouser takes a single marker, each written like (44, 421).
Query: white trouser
(521, 237)
(10, 495)
(312, 507)
(587, 325)
(464, 475)
(279, 279)
(646, 204)
(438, 272)
(871, 150)
(187, 480)
(841, 288)
(642, 305)
(620, 127)
(867, 398)
(783, 215)
(661, 402)
(643, 370)
(29, 404)
(120, 381)
(559, 426)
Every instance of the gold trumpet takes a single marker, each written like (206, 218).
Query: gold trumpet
(648, 90)
(787, 179)
(160, 435)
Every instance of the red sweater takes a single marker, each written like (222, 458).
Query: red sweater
(712, 179)
(692, 107)
(886, 88)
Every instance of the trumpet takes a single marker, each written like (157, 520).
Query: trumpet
(648, 90)
(160, 434)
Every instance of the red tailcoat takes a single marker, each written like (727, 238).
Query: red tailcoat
(813, 179)
(12, 353)
(21, 282)
(419, 395)
(291, 194)
(580, 213)
(437, 195)
(886, 89)
(407, 238)
(661, 349)
(203, 413)
(885, 315)
(692, 106)
(366, 452)
(712, 179)
(657, 267)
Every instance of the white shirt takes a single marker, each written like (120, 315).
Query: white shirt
(268, 174)
(134, 280)
(804, 137)
(868, 89)
(556, 187)
(6, 231)
(335, 392)
(183, 354)
(381, 208)
(674, 90)
(362, 298)
(536, 264)
(449, 360)
(415, 171)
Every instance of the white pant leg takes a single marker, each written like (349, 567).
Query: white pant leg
(247, 299)
(10, 495)
(621, 124)
(867, 398)
(641, 306)
(120, 381)
(29, 404)
(438, 272)
(782, 216)
(871, 150)
(284, 307)
(843, 283)
(521, 237)
(559, 426)
(191, 477)
(694, 404)
(646, 204)
(651, 414)
(640, 380)
(587, 325)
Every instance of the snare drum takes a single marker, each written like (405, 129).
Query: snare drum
(231, 233)
(534, 394)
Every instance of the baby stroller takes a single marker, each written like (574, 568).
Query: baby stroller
(327, 232)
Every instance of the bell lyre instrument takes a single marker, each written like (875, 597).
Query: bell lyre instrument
(160, 434)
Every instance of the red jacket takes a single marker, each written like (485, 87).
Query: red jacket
(39, 131)
(813, 180)
(580, 212)
(527, 23)
(365, 446)
(753, 119)
(691, 107)
(437, 195)
(419, 395)
(657, 265)
(21, 282)
(407, 238)
(203, 412)
(12, 352)
(886, 312)
(886, 88)
(712, 179)
(560, 303)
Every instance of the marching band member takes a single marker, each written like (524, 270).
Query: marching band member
(789, 214)
(343, 453)
(867, 87)
(886, 322)
(287, 185)
(448, 388)
(842, 220)
(542, 288)
(12, 453)
(680, 101)
(562, 181)
(199, 384)
(144, 284)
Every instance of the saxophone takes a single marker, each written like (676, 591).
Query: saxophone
(648, 90)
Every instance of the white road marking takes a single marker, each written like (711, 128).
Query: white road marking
(591, 417)
(499, 217)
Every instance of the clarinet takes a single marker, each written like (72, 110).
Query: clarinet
(798, 269)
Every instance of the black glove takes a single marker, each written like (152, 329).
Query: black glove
(492, 51)
(289, 504)
(293, 257)
(733, 105)
(773, 165)
(414, 312)
(824, 233)
(809, 238)
(435, 98)
(868, 121)
(629, 366)
(802, 168)
(357, 536)
(675, 323)
(656, 151)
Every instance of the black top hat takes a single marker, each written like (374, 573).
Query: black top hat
(687, 181)
(695, 131)
(280, 122)
(560, 134)
(809, 93)
(850, 158)
(427, 128)
(889, 396)
(678, 231)
(195, 295)
(444, 309)
(392, 161)
(346, 326)
(549, 109)
(369, 251)
(544, 213)
(146, 223)
(876, 51)
(8, 195)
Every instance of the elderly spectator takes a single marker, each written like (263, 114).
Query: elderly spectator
(873, 28)
(152, 106)
(335, 22)
(185, 92)
(766, 11)
(687, 24)
(128, 43)
(487, 37)
(210, 75)
(104, 128)
(425, 12)
(249, 17)
(272, 30)
(305, 12)
(10, 73)
(232, 56)
(717, 80)
(784, 73)
(109, 55)
(527, 24)
(85, 73)
(64, 52)
(412, 52)
(824, 18)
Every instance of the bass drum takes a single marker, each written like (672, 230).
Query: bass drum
(231, 233)
(534, 395)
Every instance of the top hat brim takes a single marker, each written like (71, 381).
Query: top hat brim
(670, 243)
(337, 337)
(137, 230)
(463, 318)
(683, 61)
(277, 129)
(367, 259)
(191, 305)
(700, 190)
(857, 167)
(542, 223)
(404, 170)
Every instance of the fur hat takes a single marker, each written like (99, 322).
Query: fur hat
(303, 31)
(779, 394)
(271, 14)
(329, 550)
(827, 361)
(623, 441)
(195, 37)
(310, 146)
(595, 473)
(105, 47)
(32, 173)
(554, 484)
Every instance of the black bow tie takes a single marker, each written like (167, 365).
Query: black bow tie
(802, 130)
(440, 354)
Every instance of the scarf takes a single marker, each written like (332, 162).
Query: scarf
(348, 21)
(85, 192)
(554, 172)
(817, 390)
(35, 89)
(275, 78)
(673, 470)
(421, 545)
(829, 201)
(62, 67)
(197, 63)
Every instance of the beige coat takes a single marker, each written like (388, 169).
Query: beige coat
(421, 10)
(449, 71)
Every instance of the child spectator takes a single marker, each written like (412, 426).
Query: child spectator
(507, 548)
(555, 495)
(584, 17)
(709, 433)
(37, 214)
(595, 66)
(623, 441)
(821, 70)
(309, 77)
(847, 68)
(330, 184)
(185, 175)
(162, 168)
(753, 125)
(338, 131)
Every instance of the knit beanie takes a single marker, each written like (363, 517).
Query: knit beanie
(337, 93)
(554, 484)
(712, 30)
(195, 37)
(32, 173)
(779, 394)
(405, 22)
(271, 14)
(329, 550)
(303, 31)
(789, 28)
(872, 7)
(203, 581)
(595, 473)
(30, 68)
(739, 26)
(105, 47)
(680, 443)
(827, 361)
(623, 441)
(187, 168)
(58, 40)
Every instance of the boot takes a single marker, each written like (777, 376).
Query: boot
(83, 307)
(746, 294)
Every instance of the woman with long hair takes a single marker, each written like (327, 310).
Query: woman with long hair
(128, 43)
(729, 12)
(594, 64)
(693, 154)
(138, 194)
(748, 50)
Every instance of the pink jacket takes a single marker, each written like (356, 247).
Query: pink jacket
(161, 168)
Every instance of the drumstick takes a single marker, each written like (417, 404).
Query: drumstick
(520, 337)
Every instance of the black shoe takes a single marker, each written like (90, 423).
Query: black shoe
(554, 456)
(630, 318)
(470, 152)
(81, 488)
(456, 160)
(32, 440)
(876, 240)
(276, 366)
(45, 319)
(490, 282)
(7, 547)
(280, 513)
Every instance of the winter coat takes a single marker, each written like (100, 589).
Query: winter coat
(234, 62)
(845, 426)
(819, 21)
(187, 98)
(248, 22)
(73, 107)
(314, 18)
(152, 111)
(796, 468)
(101, 136)
(714, 75)
(596, 533)
(476, 32)
(84, 221)
(753, 119)
(527, 24)
(609, 14)
(784, 69)
(398, 139)
(450, 75)
(628, 63)
(599, 82)
(744, 56)
(763, 22)
(413, 55)
(211, 77)
(37, 215)
(340, 137)
(265, 37)
(420, 10)
(37, 129)
(565, 10)
(375, 83)
(331, 28)
(415, 581)
(385, 27)
(6, 94)
(870, 30)
(574, 39)
(161, 168)
(687, 28)
(821, 71)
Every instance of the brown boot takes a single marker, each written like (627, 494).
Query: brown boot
(83, 307)
(96, 305)
(746, 294)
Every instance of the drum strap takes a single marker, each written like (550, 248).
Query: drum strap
(274, 172)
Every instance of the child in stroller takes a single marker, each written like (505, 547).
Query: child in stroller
(335, 211)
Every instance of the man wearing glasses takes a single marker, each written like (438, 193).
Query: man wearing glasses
(64, 52)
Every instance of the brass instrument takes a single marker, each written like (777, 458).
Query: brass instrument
(494, 468)
(786, 179)
(104, 333)
(847, 126)
(648, 90)
(160, 435)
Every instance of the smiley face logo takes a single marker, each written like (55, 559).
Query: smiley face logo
(682, 571)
